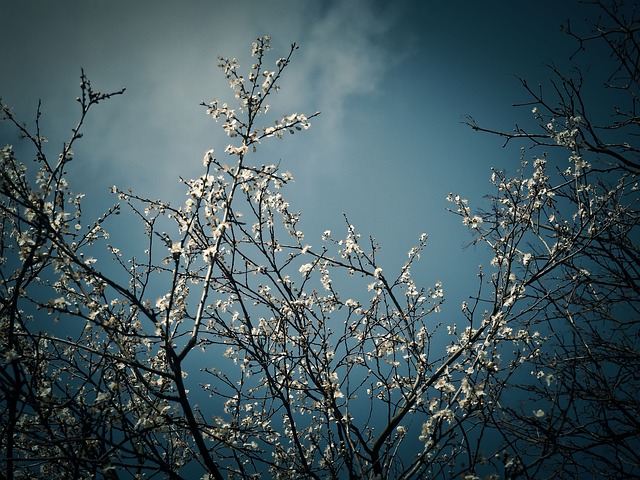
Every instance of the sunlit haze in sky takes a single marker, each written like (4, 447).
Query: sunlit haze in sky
(393, 81)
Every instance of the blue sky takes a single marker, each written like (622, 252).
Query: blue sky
(393, 81)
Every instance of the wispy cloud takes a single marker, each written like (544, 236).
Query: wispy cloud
(344, 54)
(167, 62)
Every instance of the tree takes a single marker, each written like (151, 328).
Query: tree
(572, 231)
(307, 383)
(231, 348)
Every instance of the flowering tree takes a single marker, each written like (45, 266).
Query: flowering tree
(99, 376)
(565, 234)
(232, 348)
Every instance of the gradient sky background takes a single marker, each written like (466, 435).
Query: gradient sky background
(393, 81)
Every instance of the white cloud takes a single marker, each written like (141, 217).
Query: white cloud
(343, 54)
